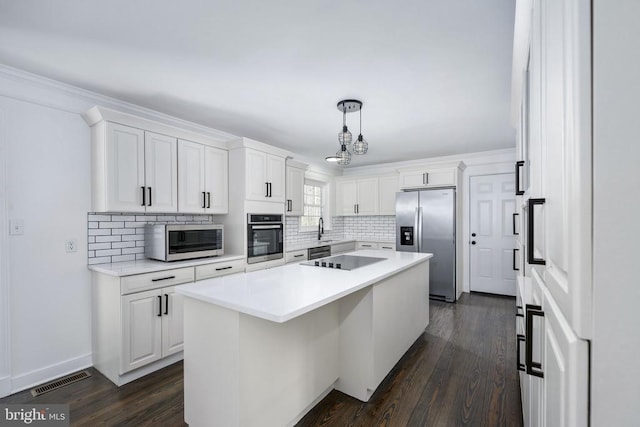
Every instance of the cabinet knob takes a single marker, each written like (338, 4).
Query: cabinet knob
(473, 234)
(473, 242)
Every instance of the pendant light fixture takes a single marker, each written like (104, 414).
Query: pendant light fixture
(343, 156)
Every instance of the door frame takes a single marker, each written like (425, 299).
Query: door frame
(498, 168)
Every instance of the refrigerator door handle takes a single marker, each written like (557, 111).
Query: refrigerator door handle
(419, 228)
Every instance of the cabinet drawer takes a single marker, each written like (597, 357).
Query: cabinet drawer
(158, 279)
(387, 246)
(293, 256)
(218, 269)
(367, 245)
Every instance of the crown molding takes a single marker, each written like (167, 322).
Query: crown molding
(24, 86)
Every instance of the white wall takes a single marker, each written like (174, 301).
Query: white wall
(615, 375)
(48, 188)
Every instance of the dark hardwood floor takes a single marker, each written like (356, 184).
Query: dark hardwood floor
(460, 372)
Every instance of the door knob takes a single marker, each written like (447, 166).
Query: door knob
(473, 234)
(473, 242)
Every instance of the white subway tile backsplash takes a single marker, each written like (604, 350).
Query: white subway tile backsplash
(120, 237)
(120, 258)
(364, 228)
(118, 224)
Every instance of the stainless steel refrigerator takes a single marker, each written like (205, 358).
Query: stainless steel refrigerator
(426, 222)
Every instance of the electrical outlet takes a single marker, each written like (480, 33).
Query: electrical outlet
(16, 227)
(71, 245)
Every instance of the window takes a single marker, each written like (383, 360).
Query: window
(311, 205)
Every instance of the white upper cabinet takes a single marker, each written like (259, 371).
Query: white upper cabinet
(265, 176)
(121, 155)
(295, 191)
(161, 172)
(133, 170)
(134, 166)
(357, 196)
(427, 177)
(389, 186)
(203, 178)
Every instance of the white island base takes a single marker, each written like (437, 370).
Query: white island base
(244, 370)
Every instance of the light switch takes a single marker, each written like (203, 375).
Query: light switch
(16, 227)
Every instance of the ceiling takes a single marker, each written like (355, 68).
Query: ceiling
(433, 75)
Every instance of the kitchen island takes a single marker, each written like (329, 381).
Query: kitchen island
(262, 348)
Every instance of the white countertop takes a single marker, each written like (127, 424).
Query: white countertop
(129, 268)
(282, 293)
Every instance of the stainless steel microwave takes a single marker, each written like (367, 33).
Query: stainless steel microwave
(173, 242)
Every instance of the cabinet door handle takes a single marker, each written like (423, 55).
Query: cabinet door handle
(514, 260)
(204, 199)
(530, 232)
(358, 208)
(271, 189)
(159, 305)
(426, 178)
(533, 368)
(166, 303)
(266, 194)
(163, 278)
(144, 203)
(149, 196)
(354, 209)
(518, 311)
(519, 165)
(515, 233)
(386, 247)
(208, 199)
(224, 268)
(520, 339)
(298, 256)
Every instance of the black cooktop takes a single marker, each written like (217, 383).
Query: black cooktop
(343, 262)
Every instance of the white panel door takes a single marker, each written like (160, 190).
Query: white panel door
(566, 160)
(492, 240)
(276, 178)
(367, 193)
(389, 186)
(295, 190)
(191, 188)
(172, 322)
(125, 168)
(161, 172)
(256, 175)
(346, 197)
(141, 329)
(216, 167)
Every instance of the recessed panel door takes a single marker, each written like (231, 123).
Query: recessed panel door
(494, 259)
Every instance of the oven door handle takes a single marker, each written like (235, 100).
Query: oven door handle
(266, 227)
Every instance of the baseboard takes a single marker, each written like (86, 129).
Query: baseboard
(40, 376)
(5, 386)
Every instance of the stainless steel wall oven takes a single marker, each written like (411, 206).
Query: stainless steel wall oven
(265, 237)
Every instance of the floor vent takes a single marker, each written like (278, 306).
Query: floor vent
(61, 382)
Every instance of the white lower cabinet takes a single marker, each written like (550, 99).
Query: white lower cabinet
(338, 248)
(137, 322)
(151, 327)
(293, 256)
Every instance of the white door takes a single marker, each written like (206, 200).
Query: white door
(191, 191)
(125, 168)
(172, 322)
(256, 175)
(276, 178)
(388, 186)
(295, 190)
(492, 241)
(161, 172)
(346, 197)
(216, 168)
(141, 329)
(367, 203)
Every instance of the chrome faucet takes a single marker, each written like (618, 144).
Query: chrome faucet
(320, 228)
